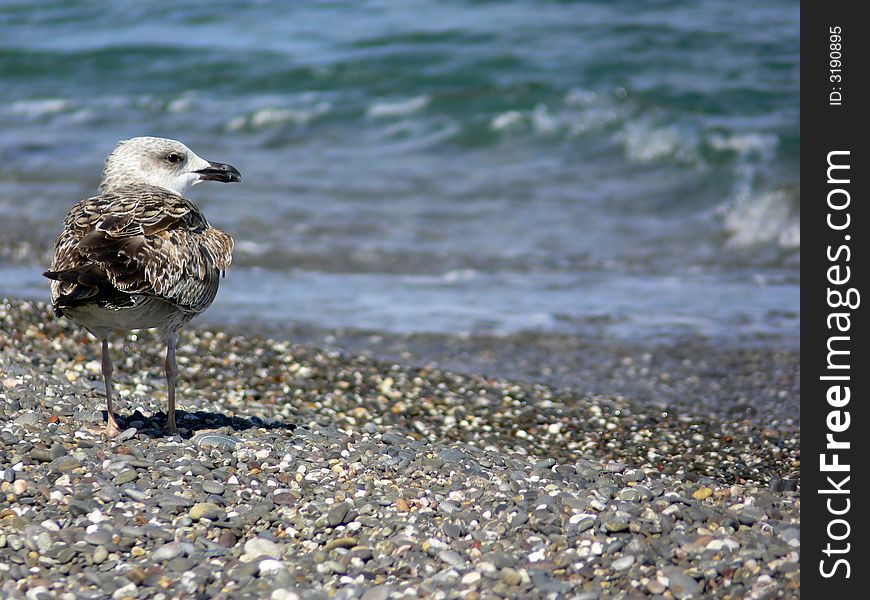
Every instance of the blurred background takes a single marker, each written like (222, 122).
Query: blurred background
(609, 171)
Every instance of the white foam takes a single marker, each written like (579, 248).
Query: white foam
(543, 121)
(765, 218)
(398, 107)
(744, 143)
(250, 247)
(39, 108)
(645, 142)
(506, 120)
(180, 105)
(593, 119)
(459, 275)
(268, 117)
(580, 97)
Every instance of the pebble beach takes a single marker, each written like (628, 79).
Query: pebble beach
(304, 473)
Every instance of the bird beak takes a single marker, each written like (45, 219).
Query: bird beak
(220, 172)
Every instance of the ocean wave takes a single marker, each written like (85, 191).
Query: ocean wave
(770, 217)
(397, 107)
(507, 120)
(744, 143)
(579, 113)
(39, 107)
(644, 141)
(268, 117)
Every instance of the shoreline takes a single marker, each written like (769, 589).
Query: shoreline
(693, 374)
(305, 473)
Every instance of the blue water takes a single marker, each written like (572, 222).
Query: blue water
(599, 168)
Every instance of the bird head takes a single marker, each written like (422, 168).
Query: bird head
(164, 163)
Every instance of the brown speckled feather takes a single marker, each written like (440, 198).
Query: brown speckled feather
(138, 240)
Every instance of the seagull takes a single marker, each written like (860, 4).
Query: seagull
(140, 255)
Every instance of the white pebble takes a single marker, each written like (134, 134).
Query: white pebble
(36, 592)
(471, 578)
(96, 516)
(729, 543)
(50, 525)
(270, 565)
(127, 591)
(261, 547)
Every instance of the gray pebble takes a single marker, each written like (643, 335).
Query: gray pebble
(213, 440)
(680, 584)
(337, 513)
(98, 537)
(257, 547)
(379, 592)
(213, 487)
(166, 552)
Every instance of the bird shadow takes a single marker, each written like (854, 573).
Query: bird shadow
(195, 422)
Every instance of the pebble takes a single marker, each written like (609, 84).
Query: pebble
(127, 591)
(379, 592)
(126, 476)
(371, 490)
(205, 510)
(166, 552)
(213, 487)
(257, 547)
(451, 557)
(337, 514)
(681, 585)
(511, 576)
(126, 435)
(471, 578)
(270, 566)
(98, 537)
(212, 440)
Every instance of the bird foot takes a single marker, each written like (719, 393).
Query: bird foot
(111, 429)
(170, 427)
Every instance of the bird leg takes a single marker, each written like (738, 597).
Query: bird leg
(112, 429)
(171, 371)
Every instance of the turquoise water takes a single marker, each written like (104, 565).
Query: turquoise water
(604, 168)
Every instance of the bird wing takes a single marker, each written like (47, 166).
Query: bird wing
(138, 239)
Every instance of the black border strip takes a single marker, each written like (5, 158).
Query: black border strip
(834, 103)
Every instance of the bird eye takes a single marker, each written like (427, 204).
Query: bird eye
(173, 157)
